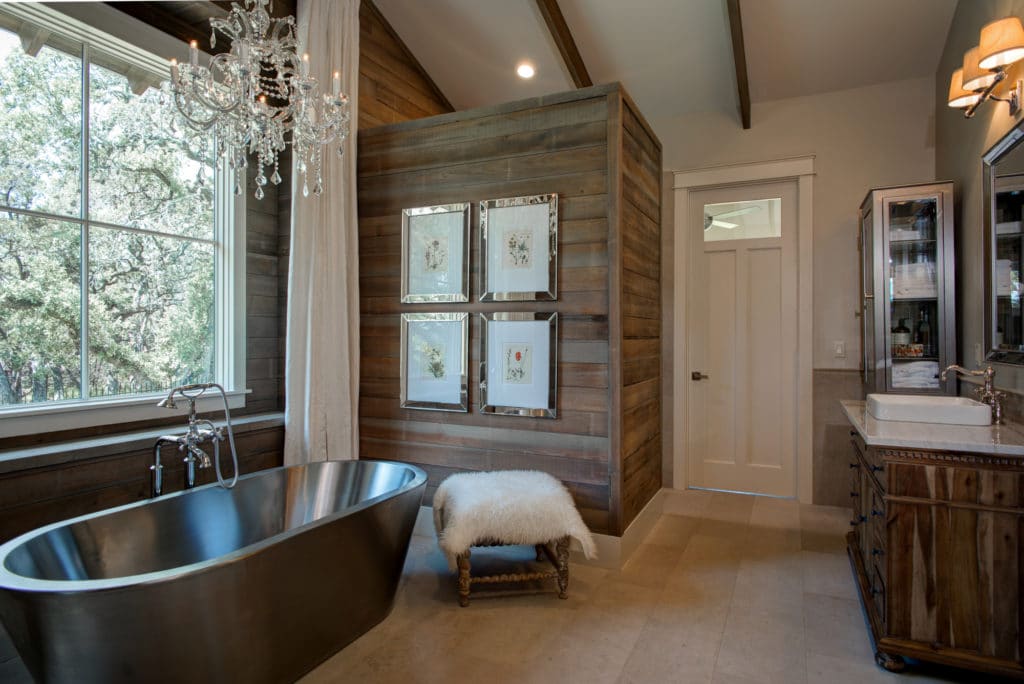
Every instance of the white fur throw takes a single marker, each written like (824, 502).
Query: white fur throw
(507, 506)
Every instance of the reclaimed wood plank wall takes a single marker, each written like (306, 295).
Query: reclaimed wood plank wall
(640, 208)
(393, 86)
(112, 475)
(567, 144)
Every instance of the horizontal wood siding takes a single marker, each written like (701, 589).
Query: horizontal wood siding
(392, 85)
(34, 497)
(640, 250)
(519, 150)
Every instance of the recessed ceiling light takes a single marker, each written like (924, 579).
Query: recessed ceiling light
(525, 70)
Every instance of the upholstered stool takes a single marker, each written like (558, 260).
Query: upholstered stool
(508, 508)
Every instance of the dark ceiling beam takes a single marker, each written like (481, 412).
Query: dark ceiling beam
(162, 17)
(739, 58)
(559, 30)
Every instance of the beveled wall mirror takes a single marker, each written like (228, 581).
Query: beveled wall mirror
(1003, 183)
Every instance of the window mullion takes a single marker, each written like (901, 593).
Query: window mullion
(83, 269)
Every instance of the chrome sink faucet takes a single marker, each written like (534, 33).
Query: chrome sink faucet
(200, 431)
(987, 393)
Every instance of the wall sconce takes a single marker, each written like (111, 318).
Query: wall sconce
(985, 66)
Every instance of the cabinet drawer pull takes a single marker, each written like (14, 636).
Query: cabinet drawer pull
(877, 552)
(854, 495)
(858, 520)
(853, 433)
(853, 466)
(875, 592)
(876, 469)
(877, 513)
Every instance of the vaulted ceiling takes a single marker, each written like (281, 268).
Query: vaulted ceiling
(674, 56)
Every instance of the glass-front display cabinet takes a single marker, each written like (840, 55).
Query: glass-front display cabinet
(908, 320)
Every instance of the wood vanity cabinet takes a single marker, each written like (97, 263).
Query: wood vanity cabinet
(937, 546)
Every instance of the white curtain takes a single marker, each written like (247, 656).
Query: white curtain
(322, 355)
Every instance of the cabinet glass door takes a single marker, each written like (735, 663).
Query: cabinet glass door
(1009, 248)
(913, 293)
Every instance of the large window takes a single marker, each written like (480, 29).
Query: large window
(115, 242)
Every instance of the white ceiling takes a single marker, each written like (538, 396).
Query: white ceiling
(803, 47)
(673, 56)
(471, 47)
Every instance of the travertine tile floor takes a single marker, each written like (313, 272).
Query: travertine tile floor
(727, 589)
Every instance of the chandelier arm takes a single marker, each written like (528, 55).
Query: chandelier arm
(195, 122)
(213, 106)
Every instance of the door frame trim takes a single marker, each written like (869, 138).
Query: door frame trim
(800, 169)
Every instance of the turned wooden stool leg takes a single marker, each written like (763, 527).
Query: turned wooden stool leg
(562, 554)
(463, 562)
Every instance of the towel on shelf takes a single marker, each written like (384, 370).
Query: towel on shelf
(506, 506)
(1004, 277)
(914, 281)
(916, 374)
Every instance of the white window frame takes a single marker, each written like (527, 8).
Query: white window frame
(120, 35)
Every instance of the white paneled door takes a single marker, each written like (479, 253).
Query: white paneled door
(741, 341)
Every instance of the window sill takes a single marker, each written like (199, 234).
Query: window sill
(109, 445)
(29, 420)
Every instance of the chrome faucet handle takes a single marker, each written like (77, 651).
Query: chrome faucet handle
(199, 456)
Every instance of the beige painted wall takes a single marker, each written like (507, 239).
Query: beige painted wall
(960, 144)
(861, 138)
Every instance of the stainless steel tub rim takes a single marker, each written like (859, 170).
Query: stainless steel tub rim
(14, 581)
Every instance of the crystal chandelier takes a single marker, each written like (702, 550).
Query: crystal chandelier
(257, 94)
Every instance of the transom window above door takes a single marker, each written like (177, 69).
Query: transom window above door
(745, 220)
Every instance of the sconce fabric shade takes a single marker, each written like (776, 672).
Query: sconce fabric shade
(1002, 43)
(976, 78)
(958, 97)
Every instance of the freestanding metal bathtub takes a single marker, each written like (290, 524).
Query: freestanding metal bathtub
(259, 583)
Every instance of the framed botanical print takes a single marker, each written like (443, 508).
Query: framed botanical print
(434, 361)
(518, 375)
(519, 245)
(435, 254)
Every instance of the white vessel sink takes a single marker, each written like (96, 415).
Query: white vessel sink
(927, 409)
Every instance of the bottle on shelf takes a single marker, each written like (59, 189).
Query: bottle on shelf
(901, 333)
(924, 332)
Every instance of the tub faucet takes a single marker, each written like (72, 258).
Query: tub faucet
(987, 393)
(199, 432)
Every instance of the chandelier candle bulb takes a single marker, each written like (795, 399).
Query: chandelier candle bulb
(174, 70)
(193, 53)
(304, 67)
(337, 84)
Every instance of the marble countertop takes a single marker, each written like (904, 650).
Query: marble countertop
(1004, 440)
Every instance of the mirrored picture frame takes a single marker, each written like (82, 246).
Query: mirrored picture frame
(519, 249)
(518, 373)
(435, 361)
(435, 254)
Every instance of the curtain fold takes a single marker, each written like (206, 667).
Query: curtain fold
(322, 348)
